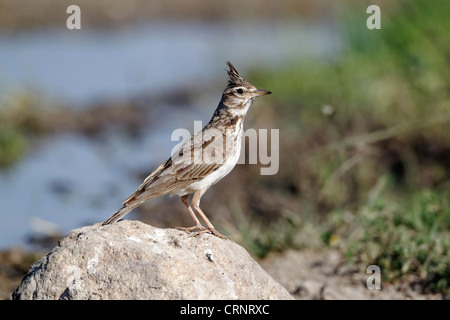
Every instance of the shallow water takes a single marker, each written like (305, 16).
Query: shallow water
(70, 180)
(79, 66)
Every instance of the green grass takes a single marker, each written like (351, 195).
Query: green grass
(410, 237)
(13, 145)
(19, 116)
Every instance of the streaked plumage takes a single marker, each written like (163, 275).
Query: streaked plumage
(202, 160)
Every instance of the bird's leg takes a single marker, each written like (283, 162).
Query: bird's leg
(196, 205)
(198, 225)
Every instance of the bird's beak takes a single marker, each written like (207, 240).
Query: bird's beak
(259, 92)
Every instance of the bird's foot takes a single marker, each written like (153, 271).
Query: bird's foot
(199, 230)
(212, 231)
(197, 227)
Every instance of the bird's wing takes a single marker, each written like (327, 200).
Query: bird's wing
(179, 171)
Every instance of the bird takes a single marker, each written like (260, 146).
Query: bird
(203, 159)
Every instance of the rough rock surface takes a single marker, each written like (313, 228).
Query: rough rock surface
(133, 260)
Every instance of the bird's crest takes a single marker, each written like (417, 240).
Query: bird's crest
(235, 77)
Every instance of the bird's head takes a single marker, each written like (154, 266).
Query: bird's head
(240, 93)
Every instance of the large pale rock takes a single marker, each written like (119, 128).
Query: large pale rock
(133, 260)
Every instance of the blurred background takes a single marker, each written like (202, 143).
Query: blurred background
(364, 115)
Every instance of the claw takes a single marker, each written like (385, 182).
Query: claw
(199, 230)
(212, 231)
(198, 227)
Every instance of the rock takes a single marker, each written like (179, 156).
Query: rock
(133, 260)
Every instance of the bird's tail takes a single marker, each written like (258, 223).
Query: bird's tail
(127, 207)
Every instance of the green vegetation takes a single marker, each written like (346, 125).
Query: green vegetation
(22, 116)
(410, 237)
(371, 170)
(13, 145)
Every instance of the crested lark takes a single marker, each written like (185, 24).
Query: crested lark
(202, 160)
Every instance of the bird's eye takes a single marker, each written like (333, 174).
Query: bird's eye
(240, 91)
